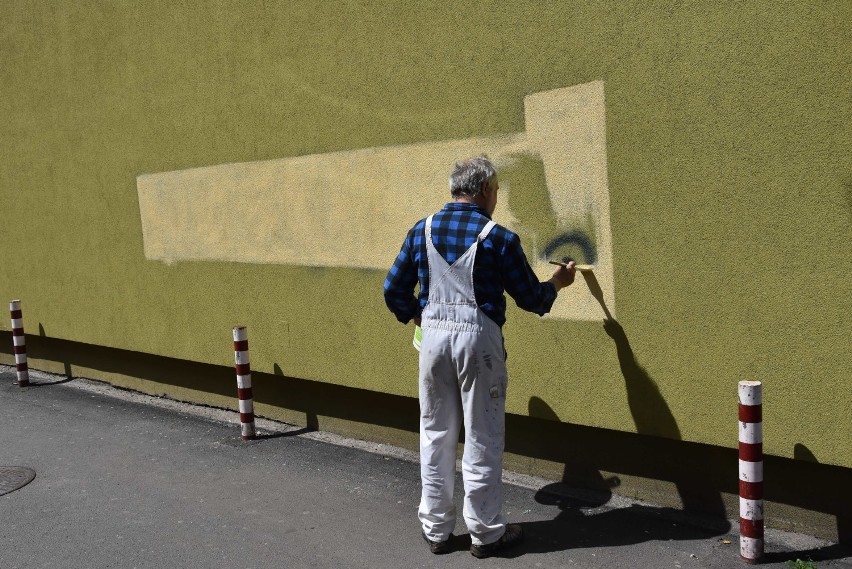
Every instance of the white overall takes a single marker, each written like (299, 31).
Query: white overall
(462, 375)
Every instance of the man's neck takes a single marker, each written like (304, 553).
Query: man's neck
(478, 201)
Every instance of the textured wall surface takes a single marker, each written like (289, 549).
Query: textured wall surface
(722, 221)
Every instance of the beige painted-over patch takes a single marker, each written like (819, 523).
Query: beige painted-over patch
(353, 208)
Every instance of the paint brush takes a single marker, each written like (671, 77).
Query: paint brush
(578, 267)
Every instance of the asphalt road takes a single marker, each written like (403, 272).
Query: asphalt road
(125, 480)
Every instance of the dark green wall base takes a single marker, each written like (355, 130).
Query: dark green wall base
(802, 495)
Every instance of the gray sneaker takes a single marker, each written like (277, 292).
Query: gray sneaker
(513, 536)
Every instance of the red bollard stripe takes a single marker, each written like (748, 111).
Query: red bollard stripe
(751, 528)
(751, 413)
(751, 452)
(16, 313)
(20, 349)
(246, 417)
(240, 345)
(17, 331)
(21, 367)
(751, 490)
(243, 369)
(244, 393)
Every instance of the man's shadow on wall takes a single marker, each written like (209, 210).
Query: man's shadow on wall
(582, 520)
(651, 414)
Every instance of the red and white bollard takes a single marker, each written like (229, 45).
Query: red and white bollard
(18, 344)
(244, 394)
(751, 470)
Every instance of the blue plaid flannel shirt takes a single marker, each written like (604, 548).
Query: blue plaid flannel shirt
(500, 266)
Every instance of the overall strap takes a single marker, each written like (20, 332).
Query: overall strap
(429, 229)
(486, 230)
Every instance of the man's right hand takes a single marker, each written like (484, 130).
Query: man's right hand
(563, 276)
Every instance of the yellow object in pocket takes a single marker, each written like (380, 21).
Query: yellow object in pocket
(418, 338)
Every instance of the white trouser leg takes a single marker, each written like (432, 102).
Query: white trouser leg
(440, 422)
(483, 394)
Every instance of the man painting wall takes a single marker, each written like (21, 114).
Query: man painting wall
(464, 263)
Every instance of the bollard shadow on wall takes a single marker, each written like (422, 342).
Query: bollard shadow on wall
(809, 469)
(63, 358)
(318, 400)
(311, 418)
(783, 479)
(844, 520)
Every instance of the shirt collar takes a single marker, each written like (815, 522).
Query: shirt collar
(465, 206)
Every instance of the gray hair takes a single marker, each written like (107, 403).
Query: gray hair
(468, 176)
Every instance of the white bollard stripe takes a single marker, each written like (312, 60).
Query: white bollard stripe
(240, 333)
(751, 509)
(241, 357)
(20, 358)
(246, 406)
(17, 340)
(17, 323)
(751, 548)
(751, 393)
(243, 381)
(751, 433)
(751, 471)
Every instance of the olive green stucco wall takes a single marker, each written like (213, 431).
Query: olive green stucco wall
(726, 151)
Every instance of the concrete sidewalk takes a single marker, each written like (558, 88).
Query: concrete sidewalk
(126, 480)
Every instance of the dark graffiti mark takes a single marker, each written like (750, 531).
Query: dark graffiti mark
(576, 239)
